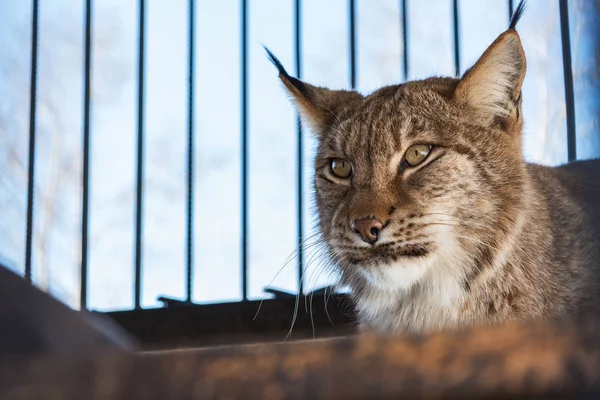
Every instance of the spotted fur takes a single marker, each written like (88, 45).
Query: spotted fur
(474, 234)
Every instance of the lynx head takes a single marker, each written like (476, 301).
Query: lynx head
(421, 178)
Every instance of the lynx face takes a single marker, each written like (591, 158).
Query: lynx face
(408, 182)
(420, 180)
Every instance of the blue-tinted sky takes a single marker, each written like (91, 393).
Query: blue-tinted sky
(272, 128)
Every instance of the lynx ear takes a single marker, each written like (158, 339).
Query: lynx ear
(318, 107)
(493, 85)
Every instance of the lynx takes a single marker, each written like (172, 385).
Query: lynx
(429, 211)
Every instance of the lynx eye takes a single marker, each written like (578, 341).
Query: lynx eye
(416, 154)
(341, 168)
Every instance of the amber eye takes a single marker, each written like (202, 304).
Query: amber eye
(416, 154)
(341, 168)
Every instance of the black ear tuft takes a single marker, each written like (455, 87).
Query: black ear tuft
(276, 63)
(298, 84)
(517, 14)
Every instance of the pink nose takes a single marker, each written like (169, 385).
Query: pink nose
(368, 228)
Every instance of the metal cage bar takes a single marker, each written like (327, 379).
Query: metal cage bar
(404, 16)
(31, 162)
(86, 158)
(568, 76)
(352, 28)
(190, 155)
(140, 154)
(300, 148)
(244, 133)
(455, 29)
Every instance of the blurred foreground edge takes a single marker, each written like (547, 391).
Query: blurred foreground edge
(57, 353)
(34, 323)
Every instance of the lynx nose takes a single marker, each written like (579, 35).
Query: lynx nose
(368, 228)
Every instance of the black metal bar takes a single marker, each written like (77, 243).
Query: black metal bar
(404, 38)
(352, 15)
(510, 10)
(140, 155)
(300, 154)
(86, 158)
(31, 171)
(244, 46)
(190, 155)
(455, 21)
(568, 76)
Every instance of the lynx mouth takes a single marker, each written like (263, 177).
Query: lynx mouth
(414, 251)
(386, 255)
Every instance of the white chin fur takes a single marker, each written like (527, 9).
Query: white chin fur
(414, 294)
(397, 276)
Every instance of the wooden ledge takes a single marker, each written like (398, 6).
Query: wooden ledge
(542, 360)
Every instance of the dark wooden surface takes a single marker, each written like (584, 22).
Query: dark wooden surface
(241, 322)
(544, 360)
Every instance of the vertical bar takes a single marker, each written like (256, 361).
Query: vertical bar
(86, 158)
(300, 205)
(404, 38)
(190, 154)
(510, 10)
(244, 150)
(456, 38)
(140, 158)
(568, 76)
(31, 171)
(352, 43)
